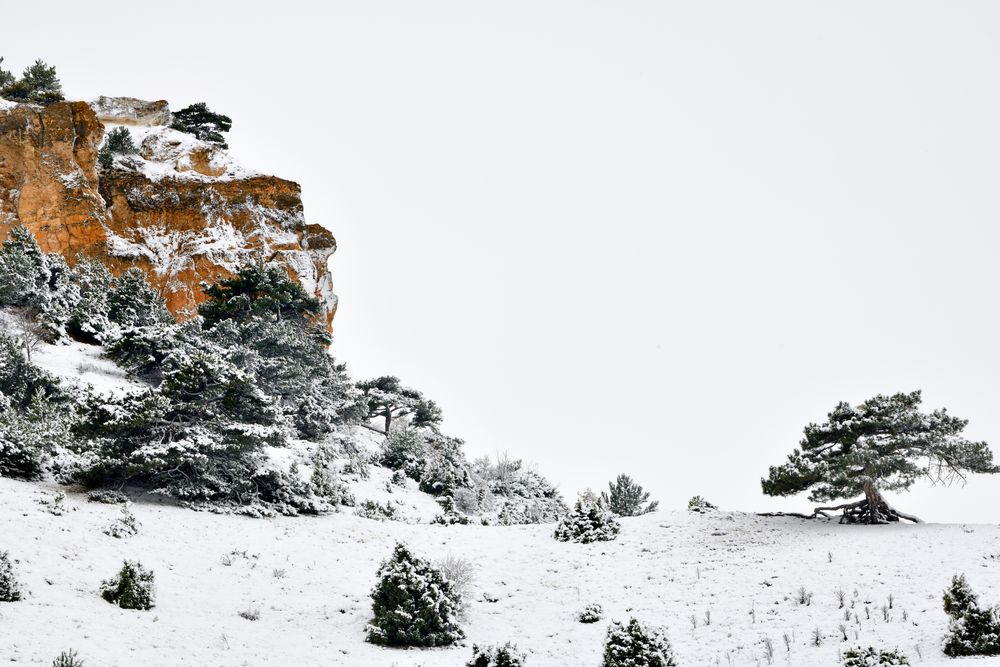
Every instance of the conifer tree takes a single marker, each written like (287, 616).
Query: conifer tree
(133, 303)
(386, 397)
(203, 123)
(627, 498)
(636, 645)
(587, 522)
(38, 84)
(972, 629)
(883, 443)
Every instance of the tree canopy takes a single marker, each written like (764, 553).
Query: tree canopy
(203, 123)
(386, 397)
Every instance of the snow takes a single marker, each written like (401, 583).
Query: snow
(310, 578)
(81, 365)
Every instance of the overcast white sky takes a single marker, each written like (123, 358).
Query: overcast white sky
(655, 238)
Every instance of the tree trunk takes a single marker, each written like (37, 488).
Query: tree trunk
(872, 510)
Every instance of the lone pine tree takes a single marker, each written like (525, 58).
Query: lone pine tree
(885, 443)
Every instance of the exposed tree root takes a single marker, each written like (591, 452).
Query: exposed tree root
(862, 511)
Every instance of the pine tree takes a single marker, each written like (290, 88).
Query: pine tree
(203, 123)
(503, 655)
(133, 303)
(883, 443)
(636, 645)
(38, 84)
(413, 603)
(972, 629)
(118, 142)
(132, 588)
(388, 399)
(6, 78)
(10, 589)
(67, 659)
(588, 522)
(627, 498)
(88, 318)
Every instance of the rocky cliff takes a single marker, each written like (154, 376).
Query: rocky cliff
(180, 209)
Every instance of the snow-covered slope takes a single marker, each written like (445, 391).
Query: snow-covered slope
(310, 578)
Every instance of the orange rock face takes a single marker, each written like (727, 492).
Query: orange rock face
(178, 209)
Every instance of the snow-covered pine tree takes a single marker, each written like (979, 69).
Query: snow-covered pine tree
(88, 318)
(972, 630)
(10, 589)
(627, 498)
(872, 657)
(885, 443)
(636, 645)
(587, 522)
(38, 84)
(132, 588)
(203, 123)
(388, 399)
(413, 604)
(133, 303)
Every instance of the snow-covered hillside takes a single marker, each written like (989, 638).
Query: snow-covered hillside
(310, 579)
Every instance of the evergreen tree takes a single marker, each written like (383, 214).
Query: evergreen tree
(133, 303)
(259, 291)
(972, 630)
(626, 498)
(38, 84)
(10, 589)
(203, 123)
(872, 657)
(636, 645)
(387, 398)
(89, 319)
(132, 588)
(413, 603)
(118, 142)
(503, 655)
(6, 78)
(588, 522)
(883, 443)
(68, 659)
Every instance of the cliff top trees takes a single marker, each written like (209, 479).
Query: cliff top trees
(38, 84)
(386, 397)
(203, 123)
(883, 443)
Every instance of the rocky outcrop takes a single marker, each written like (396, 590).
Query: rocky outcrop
(181, 209)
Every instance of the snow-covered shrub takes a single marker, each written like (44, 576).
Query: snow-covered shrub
(326, 483)
(501, 655)
(125, 525)
(636, 645)
(449, 514)
(587, 522)
(131, 588)
(871, 657)
(67, 659)
(627, 498)
(369, 509)
(132, 302)
(592, 613)
(461, 573)
(413, 604)
(117, 142)
(405, 449)
(107, 497)
(10, 589)
(444, 469)
(518, 494)
(972, 630)
(88, 318)
(699, 504)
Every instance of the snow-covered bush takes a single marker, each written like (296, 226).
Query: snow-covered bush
(699, 504)
(369, 509)
(107, 497)
(636, 645)
(587, 522)
(972, 630)
(592, 613)
(449, 514)
(871, 657)
(125, 525)
(131, 588)
(501, 655)
(67, 659)
(444, 469)
(413, 604)
(627, 498)
(10, 589)
(405, 449)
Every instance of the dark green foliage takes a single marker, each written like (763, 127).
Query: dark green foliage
(413, 604)
(592, 613)
(88, 317)
(258, 291)
(68, 659)
(387, 398)
(444, 469)
(38, 84)
(588, 522)
(203, 123)
(885, 440)
(117, 142)
(132, 588)
(405, 449)
(972, 630)
(635, 645)
(502, 655)
(133, 303)
(626, 498)
(10, 590)
(871, 657)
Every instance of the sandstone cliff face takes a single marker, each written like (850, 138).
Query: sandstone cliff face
(181, 210)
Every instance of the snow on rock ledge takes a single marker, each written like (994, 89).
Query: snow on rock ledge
(182, 210)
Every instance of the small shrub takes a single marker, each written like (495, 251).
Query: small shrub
(125, 525)
(586, 523)
(369, 509)
(699, 504)
(449, 514)
(972, 630)
(107, 497)
(251, 613)
(10, 589)
(131, 588)
(636, 645)
(503, 655)
(67, 659)
(413, 604)
(870, 657)
(592, 613)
